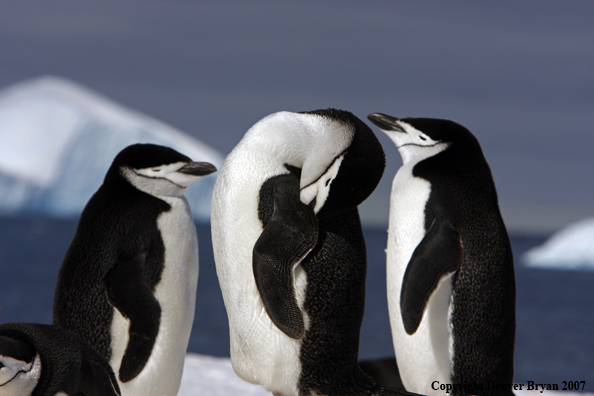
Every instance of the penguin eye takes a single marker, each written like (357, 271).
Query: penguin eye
(423, 138)
(157, 170)
(327, 182)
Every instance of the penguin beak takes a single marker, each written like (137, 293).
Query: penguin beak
(197, 169)
(385, 122)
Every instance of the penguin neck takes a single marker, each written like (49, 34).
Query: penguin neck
(309, 143)
(157, 187)
(413, 154)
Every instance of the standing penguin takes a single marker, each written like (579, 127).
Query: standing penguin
(450, 272)
(290, 253)
(45, 360)
(127, 285)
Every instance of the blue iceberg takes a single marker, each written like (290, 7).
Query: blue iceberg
(57, 140)
(570, 248)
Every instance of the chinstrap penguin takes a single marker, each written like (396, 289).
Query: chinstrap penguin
(290, 253)
(127, 285)
(45, 360)
(450, 271)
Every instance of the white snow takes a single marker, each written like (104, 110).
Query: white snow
(570, 248)
(214, 376)
(57, 140)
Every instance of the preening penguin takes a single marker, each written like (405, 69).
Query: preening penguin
(450, 273)
(127, 285)
(44, 360)
(290, 253)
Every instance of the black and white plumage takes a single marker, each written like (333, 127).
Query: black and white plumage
(45, 360)
(451, 286)
(290, 252)
(127, 285)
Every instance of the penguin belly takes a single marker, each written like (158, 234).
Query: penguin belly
(176, 294)
(424, 356)
(260, 353)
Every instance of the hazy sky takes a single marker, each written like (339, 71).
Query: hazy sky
(518, 74)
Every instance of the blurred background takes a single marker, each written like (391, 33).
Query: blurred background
(80, 80)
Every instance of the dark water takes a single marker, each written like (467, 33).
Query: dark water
(555, 317)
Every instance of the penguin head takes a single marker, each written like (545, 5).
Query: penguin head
(157, 170)
(343, 176)
(414, 143)
(20, 367)
(421, 138)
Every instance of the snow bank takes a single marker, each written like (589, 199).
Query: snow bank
(570, 248)
(57, 140)
(212, 376)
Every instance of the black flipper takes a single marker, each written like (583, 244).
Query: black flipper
(289, 235)
(129, 292)
(438, 254)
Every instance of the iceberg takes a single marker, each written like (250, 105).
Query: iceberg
(57, 140)
(570, 248)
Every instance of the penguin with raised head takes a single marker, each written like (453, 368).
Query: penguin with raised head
(450, 271)
(45, 360)
(290, 253)
(127, 285)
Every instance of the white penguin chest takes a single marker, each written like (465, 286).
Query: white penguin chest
(260, 352)
(176, 294)
(426, 353)
(177, 287)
